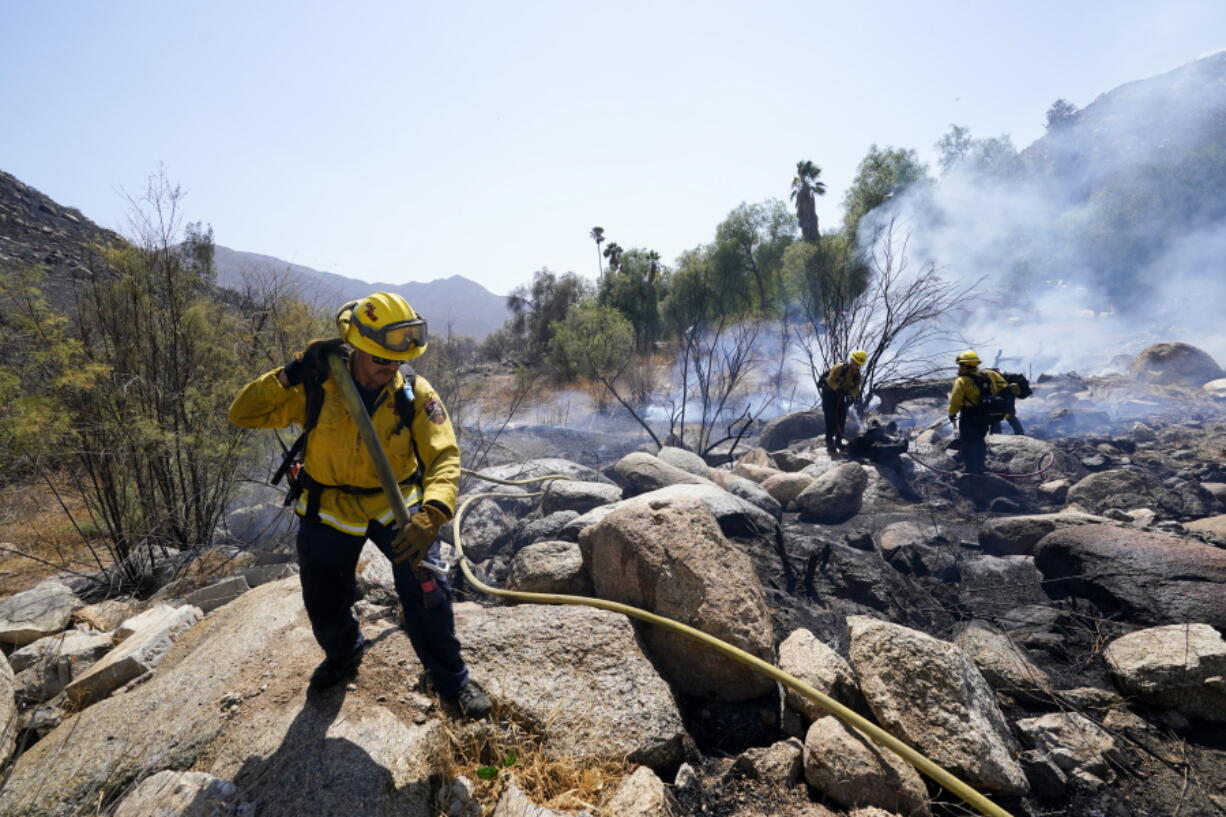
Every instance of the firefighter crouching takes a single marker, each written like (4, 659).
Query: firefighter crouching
(341, 503)
(971, 404)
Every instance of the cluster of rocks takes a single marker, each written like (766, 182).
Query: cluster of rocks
(1042, 639)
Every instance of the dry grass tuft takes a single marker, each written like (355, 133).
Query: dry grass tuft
(37, 538)
(495, 752)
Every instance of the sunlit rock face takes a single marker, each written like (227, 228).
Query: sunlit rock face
(1175, 364)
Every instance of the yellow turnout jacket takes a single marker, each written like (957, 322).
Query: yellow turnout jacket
(335, 454)
(966, 392)
(843, 380)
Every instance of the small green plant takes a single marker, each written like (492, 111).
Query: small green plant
(509, 759)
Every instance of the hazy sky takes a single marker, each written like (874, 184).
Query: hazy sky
(402, 141)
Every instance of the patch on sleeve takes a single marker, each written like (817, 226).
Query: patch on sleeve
(435, 412)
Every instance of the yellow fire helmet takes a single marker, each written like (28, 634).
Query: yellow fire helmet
(383, 325)
(859, 357)
(968, 358)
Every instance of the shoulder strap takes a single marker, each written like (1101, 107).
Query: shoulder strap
(405, 400)
(314, 404)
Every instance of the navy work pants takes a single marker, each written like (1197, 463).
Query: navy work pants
(834, 411)
(328, 559)
(973, 432)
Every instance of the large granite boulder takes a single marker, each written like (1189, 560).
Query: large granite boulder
(801, 654)
(930, 694)
(835, 496)
(685, 460)
(788, 428)
(146, 639)
(1214, 526)
(487, 526)
(1174, 364)
(640, 473)
(43, 610)
(749, 491)
(1017, 454)
(182, 794)
(1125, 489)
(853, 771)
(579, 674)
(786, 487)
(1004, 663)
(232, 698)
(550, 567)
(46, 666)
(670, 558)
(1017, 535)
(569, 495)
(735, 515)
(1150, 578)
(1179, 666)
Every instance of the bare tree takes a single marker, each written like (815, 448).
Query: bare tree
(716, 363)
(903, 318)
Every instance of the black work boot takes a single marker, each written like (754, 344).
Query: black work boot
(331, 671)
(472, 701)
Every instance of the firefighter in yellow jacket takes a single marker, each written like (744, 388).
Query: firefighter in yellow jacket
(341, 503)
(839, 388)
(969, 401)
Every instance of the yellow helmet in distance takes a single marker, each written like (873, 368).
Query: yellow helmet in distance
(383, 325)
(859, 357)
(968, 358)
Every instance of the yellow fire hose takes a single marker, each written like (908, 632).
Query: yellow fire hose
(852, 719)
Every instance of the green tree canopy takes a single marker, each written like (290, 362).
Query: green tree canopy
(535, 308)
(883, 173)
(994, 157)
(747, 256)
(635, 289)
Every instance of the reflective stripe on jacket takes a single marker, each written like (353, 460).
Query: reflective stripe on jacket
(965, 392)
(335, 454)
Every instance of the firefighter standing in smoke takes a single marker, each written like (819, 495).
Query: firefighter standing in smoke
(968, 405)
(342, 504)
(839, 387)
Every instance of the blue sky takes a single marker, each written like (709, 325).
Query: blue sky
(398, 141)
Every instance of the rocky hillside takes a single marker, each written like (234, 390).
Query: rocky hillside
(36, 231)
(1050, 633)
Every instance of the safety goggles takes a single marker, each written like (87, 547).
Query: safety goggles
(396, 337)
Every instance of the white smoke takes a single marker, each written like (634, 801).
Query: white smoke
(1055, 253)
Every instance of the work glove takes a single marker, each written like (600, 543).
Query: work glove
(412, 543)
(313, 362)
(953, 418)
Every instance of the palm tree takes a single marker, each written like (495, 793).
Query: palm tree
(805, 188)
(613, 252)
(653, 266)
(597, 235)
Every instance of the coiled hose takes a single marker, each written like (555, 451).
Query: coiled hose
(947, 780)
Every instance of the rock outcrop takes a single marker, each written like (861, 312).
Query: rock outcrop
(835, 496)
(1151, 578)
(1174, 364)
(43, 610)
(1179, 666)
(930, 694)
(670, 558)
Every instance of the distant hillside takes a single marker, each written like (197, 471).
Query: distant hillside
(464, 305)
